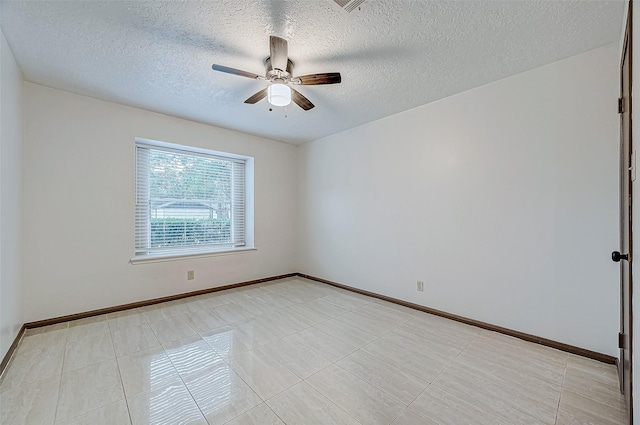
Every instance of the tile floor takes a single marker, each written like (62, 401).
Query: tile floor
(296, 352)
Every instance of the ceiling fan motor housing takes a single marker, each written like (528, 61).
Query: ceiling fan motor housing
(278, 74)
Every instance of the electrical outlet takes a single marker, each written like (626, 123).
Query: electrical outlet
(190, 275)
(420, 286)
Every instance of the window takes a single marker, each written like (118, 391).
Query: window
(188, 200)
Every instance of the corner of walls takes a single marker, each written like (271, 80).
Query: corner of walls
(11, 197)
(301, 196)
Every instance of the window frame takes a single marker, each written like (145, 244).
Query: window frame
(149, 254)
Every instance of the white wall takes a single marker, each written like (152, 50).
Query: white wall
(502, 199)
(79, 205)
(11, 96)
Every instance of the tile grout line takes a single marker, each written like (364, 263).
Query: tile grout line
(564, 377)
(356, 377)
(234, 371)
(361, 349)
(453, 395)
(501, 387)
(274, 412)
(217, 354)
(172, 365)
(529, 375)
(64, 356)
(184, 384)
(124, 395)
(479, 335)
(327, 398)
(303, 380)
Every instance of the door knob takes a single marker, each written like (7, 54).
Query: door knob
(616, 256)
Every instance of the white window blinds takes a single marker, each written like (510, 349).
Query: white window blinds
(187, 201)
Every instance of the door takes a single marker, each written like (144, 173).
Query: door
(625, 255)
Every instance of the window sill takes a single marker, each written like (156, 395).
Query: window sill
(141, 259)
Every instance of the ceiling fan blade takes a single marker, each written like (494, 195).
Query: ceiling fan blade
(257, 97)
(317, 79)
(300, 100)
(279, 52)
(236, 72)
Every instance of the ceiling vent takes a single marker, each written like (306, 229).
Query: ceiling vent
(348, 5)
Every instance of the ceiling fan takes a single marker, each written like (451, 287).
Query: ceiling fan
(279, 73)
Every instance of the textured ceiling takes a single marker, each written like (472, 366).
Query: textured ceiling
(393, 55)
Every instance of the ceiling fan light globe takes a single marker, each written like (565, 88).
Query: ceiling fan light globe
(279, 94)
